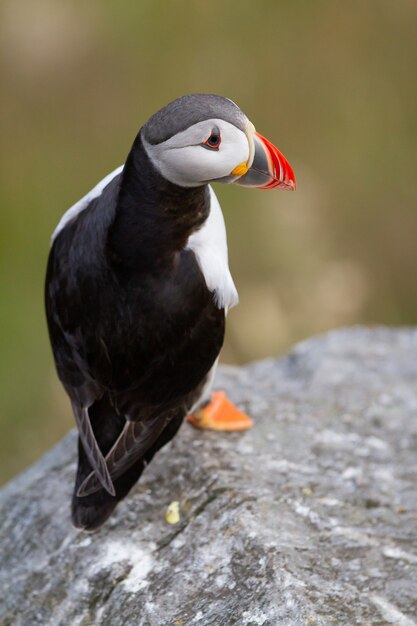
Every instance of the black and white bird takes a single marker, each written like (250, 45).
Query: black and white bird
(138, 286)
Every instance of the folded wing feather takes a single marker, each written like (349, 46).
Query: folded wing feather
(131, 445)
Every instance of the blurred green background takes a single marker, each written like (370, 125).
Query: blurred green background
(333, 84)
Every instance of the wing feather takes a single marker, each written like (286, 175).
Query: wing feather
(134, 440)
(92, 449)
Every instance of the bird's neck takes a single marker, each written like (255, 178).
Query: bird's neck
(154, 217)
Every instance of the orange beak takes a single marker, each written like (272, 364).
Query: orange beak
(270, 169)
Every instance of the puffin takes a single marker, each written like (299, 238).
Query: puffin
(137, 290)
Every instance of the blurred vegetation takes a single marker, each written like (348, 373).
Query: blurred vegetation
(332, 84)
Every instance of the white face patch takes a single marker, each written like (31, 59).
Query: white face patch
(185, 161)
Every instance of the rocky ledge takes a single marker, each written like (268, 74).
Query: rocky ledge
(308, 519)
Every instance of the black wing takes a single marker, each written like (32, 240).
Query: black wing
(128, 339)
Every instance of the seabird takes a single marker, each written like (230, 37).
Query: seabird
(138, 287)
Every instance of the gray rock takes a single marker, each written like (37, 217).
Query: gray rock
(308, 519)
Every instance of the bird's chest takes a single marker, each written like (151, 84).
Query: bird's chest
(170, 307)
(170, 331)
(209, 245)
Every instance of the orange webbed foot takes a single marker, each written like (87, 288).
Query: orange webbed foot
(220, 414)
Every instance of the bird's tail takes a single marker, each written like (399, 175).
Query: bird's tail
(89, 512)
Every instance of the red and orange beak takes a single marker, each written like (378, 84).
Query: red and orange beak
(269, 169)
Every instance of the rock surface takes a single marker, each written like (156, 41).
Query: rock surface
(308, 519)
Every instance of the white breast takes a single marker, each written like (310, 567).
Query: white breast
(209, 245)
(84, 202)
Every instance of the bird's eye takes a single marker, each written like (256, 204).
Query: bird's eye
(214, 140)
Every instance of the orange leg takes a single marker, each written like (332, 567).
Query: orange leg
(220, 414)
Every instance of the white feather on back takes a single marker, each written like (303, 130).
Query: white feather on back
(209, 245)
(82, 204)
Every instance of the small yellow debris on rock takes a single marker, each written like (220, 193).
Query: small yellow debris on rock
(172, 514)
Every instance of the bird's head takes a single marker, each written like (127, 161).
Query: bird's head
(203, 138)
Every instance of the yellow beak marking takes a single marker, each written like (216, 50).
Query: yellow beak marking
(239, 170)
